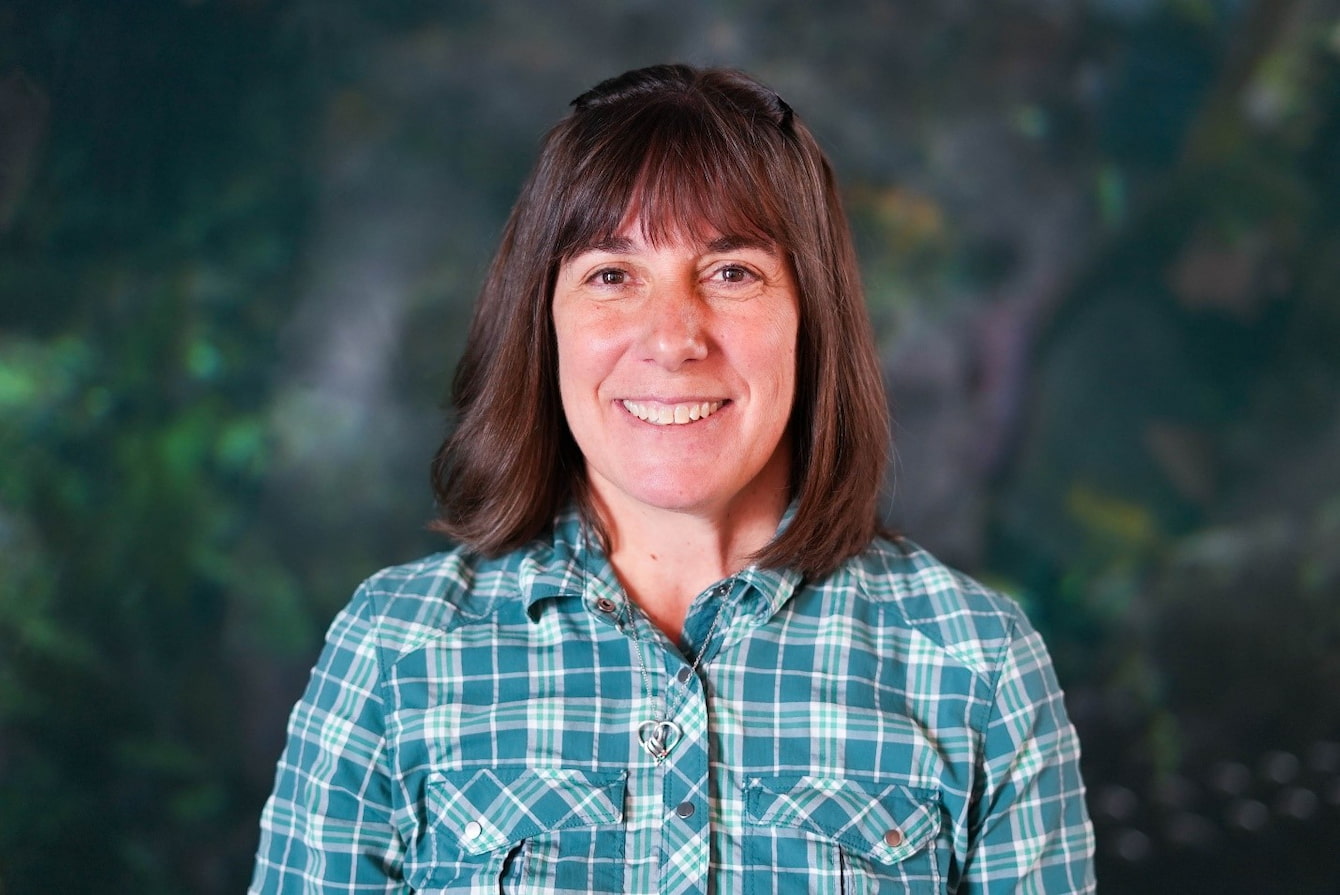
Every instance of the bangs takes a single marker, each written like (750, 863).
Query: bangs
(681, 170)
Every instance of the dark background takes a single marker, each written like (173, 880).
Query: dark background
(239, 241)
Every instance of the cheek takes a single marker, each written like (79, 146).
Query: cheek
(585, 357)
(569, 362)
(590, 342)
(773, 353)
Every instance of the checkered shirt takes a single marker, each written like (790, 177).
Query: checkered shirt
(473, 726)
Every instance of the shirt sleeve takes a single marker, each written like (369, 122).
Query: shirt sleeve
(1030, 829)
(327, 826)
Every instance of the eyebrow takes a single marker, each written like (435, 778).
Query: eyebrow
(736, 243)
(615, 245)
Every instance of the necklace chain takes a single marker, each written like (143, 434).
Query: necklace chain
(659, 734)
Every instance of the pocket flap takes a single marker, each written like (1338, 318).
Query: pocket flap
(883, 821)
(487, 808)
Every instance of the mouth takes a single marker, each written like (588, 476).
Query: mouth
(672, 414)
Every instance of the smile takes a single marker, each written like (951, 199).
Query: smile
(672, 414)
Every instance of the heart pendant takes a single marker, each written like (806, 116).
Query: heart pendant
(658, 737)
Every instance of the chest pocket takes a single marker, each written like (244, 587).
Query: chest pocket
(486, 827)
(845, 836)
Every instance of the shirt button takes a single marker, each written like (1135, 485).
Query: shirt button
(472, 830)
(893, 838)
(684, 810)
(685, 675)
(606, 606)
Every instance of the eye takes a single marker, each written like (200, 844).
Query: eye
(734, 273)
(611, 276)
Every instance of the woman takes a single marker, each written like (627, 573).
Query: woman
(670, 651)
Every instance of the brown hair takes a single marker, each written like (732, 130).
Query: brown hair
(688, 149)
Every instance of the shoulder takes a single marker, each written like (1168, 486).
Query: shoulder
(972, 622)
(437, 588)
(401, 607)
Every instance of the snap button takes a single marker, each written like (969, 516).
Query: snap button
(684, 810)
(472, 830)
(893, 838)
(685, 675)
(606, 605)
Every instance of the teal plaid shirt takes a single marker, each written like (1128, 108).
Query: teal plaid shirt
(472, 725)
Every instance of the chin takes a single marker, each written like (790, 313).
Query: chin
(677, 492)
(675, 500)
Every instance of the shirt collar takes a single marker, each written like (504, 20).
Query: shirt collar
(767, 591)
(554, 569)
(573, 564)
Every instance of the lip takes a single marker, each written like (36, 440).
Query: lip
(673, 400)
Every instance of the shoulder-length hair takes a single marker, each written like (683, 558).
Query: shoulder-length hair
(689, 150)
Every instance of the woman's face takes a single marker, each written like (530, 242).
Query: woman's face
(677, 370)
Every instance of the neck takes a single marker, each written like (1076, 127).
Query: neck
(665, 558)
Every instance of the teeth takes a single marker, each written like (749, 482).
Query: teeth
(676, 415)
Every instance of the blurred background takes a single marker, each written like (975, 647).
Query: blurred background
(239, 241)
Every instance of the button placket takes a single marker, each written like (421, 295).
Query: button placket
(686, 855)
(685, 858)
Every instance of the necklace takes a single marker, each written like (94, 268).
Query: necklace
(658, 735)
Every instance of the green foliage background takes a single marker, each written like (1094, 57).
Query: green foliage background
(239, 241)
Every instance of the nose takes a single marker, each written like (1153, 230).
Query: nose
(675, 326)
